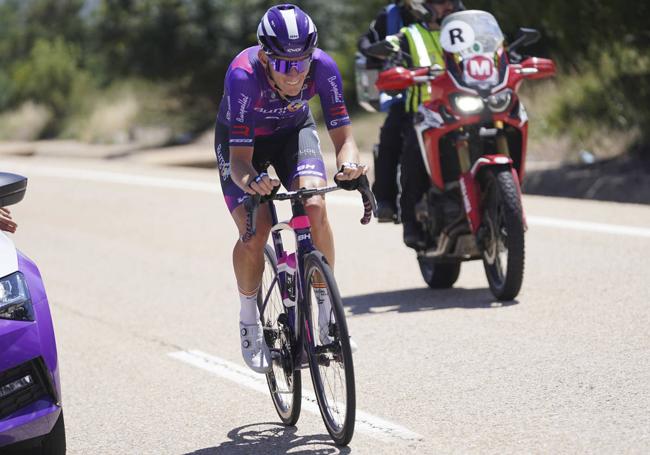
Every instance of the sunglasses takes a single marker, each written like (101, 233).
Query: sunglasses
(285, 66)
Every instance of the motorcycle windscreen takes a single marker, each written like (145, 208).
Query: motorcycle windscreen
(474, 51)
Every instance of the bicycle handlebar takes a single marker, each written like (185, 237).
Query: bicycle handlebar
(252, 203)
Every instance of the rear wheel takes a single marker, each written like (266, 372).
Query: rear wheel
(330, 356)
(439, 275)
(503, 240)
(284, 379)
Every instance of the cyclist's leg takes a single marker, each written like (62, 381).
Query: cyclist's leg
(301, 166)
(248, 258)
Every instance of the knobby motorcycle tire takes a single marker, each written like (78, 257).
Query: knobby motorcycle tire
(503, 183)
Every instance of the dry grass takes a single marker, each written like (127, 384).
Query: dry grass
(26, 123)
(111, 122)
(546, 144)
(134, 112)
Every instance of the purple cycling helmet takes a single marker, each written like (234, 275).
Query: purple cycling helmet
(287, 31)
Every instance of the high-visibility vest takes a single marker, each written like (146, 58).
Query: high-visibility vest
(425, 50)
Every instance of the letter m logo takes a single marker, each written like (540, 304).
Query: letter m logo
(480, 68)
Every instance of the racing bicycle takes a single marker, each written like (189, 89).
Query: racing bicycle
(290, 301)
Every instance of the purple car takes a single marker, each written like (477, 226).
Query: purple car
(31, 417)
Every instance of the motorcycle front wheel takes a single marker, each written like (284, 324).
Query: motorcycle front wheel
(503, 243)
(439, 275)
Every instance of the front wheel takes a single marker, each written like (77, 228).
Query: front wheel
(328, 348)
(439, 275)
(284, 378)
(503, 234)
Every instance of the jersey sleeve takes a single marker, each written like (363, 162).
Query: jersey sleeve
(329, 85)
(242, 96)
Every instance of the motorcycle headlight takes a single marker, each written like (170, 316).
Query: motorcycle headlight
(501, 101)
(15, 301)
(467, 104)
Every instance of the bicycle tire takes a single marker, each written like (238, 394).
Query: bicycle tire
(332, 356)
(284, 379)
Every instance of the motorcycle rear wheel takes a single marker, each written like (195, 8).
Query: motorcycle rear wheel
(503, 247)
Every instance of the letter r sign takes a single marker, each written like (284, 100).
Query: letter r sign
(457, 36)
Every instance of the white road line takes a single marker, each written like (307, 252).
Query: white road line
(586, 226)
(210, 187)
(365, 422)
(120, 178)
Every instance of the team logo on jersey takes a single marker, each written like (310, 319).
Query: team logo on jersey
(224, 167)
(338, 111)
(295, 106)
(241, 130)
(337, 96)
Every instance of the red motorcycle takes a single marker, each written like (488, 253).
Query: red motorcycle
(472, 134)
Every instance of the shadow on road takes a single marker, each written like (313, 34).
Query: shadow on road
(272, 438)
(423, 299)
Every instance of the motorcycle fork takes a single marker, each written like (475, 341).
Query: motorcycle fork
(502, 141)
(462, 149)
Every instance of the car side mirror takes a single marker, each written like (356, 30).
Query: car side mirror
(525, 37)
(12, 188)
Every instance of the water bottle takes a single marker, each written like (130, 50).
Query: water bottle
(287, 272)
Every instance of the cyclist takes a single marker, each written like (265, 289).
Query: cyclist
(6, 222)
(264, 119)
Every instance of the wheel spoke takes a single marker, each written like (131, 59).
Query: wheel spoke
(330, 358)
(284, 382)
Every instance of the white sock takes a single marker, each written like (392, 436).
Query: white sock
(324, 305)
(248, 312)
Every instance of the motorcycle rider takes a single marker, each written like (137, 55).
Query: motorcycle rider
(420, 44)
(6, 222)
(389, 21)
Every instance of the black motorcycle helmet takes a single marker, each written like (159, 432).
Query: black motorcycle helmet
(423, 10)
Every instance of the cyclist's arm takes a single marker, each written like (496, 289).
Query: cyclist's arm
(241, 167)
(346, 152)
(242, 91)
(244, 174)
(330, 91)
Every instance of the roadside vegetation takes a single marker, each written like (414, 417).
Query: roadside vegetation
(150, 71)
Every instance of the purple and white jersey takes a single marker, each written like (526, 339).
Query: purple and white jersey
(251, 107)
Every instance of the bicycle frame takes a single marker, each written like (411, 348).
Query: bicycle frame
(301, 227)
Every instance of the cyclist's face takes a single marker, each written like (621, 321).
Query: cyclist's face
(290, 83)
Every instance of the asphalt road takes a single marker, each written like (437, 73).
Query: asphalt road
(137, 264)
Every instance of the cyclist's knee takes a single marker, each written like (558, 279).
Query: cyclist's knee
(316, 211)
(262, 229)
(257, 242)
